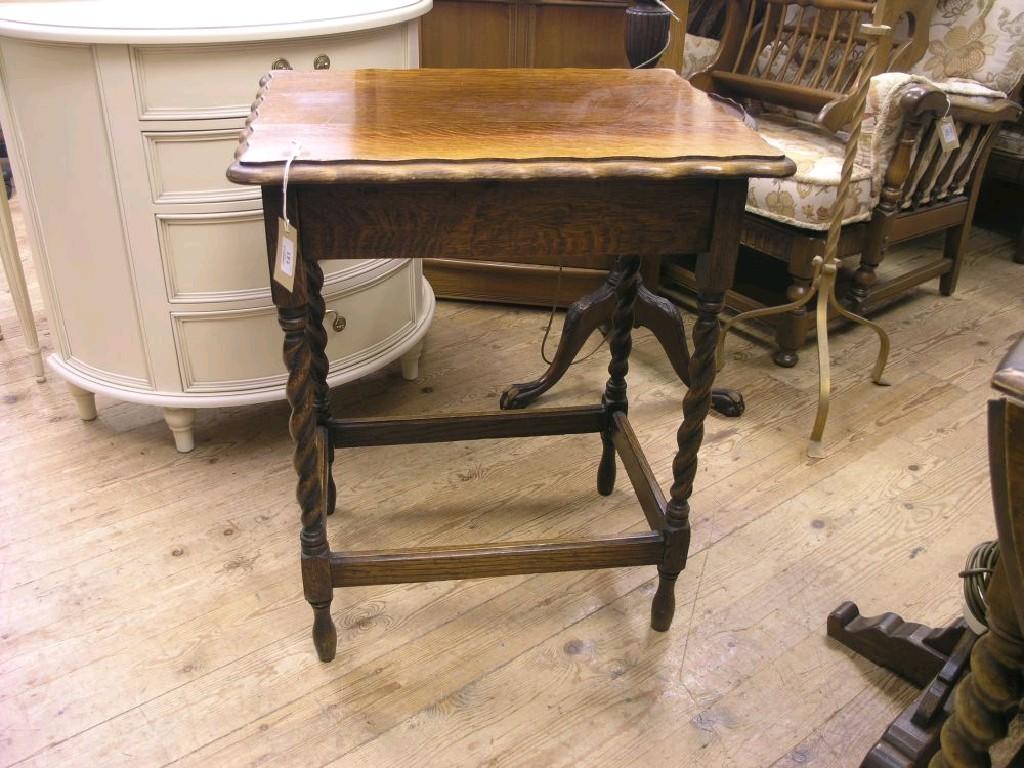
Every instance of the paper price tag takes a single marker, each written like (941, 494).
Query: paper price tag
(287, 257)
(947, 134)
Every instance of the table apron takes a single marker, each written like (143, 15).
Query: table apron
(580, 222)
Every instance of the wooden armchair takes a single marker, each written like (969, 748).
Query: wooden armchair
(792, 63)
(1008, 164)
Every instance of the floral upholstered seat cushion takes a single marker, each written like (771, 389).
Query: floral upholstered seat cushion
(698, 53)
(805, 199)
(980, 40)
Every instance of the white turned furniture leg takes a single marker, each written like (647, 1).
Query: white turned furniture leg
(181, 421)
(19, 291)
(411, 363)
(85, 400)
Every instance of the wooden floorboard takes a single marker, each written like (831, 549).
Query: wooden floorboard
(151, 612)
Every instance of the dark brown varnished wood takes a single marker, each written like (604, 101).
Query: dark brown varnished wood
(474, 561)
(353, 198)
(645, 485)
(913, 738)
(397, 430)
(620, 344)
(582, 318)
(580, 221)
(714, 274)
(915, 652)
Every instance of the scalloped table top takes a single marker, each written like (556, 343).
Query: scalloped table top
(445, 124)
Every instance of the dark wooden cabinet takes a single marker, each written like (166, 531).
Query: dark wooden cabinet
(526, 33)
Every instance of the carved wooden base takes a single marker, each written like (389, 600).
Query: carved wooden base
(584, 316)
(933, 659)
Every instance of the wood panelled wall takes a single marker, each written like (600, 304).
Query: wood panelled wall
(526, 33)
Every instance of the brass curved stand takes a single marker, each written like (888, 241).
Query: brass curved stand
(823, 285)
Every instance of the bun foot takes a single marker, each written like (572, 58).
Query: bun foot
(785, 359)
(728, 402)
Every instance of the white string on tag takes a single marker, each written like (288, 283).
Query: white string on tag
(296, 148)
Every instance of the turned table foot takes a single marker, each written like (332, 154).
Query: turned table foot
(181, 422)
(85, 401)
(411, 363)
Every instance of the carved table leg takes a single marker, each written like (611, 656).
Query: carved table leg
(987, 697)
(581, 319)
(307, 393)
(585, 315)
(665, 321)
(620, 342)
(915, 652)
(696, 405)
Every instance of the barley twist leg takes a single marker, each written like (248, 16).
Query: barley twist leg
(620, 343)
(309, 460)
(696, 405)
(317, 337)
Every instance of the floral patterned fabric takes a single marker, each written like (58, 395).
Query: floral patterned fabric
(698, 53)
(980, 40)
(806, 198)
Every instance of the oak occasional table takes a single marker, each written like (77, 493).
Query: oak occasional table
(479, 164)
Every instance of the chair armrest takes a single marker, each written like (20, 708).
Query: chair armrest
(982, 111)
(920, 100)
(898, 107)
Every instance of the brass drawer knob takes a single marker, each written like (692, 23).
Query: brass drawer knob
(323, 61)
(339, 320)
(281, 63)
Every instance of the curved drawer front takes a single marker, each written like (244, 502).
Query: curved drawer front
(188, 82)
(212, 257)
(188, 167)
(221, 352)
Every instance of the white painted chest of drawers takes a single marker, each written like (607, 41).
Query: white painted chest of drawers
(121, 117)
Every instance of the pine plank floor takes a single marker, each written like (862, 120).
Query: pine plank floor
(151, 612)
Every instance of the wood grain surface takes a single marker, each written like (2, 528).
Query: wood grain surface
(391, 125)
(152, 616)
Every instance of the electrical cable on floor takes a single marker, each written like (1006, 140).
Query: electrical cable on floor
(976, 576)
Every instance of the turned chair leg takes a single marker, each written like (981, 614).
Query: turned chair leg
(620, 343)
(956, 242)
(864, 279)
(792, 328)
